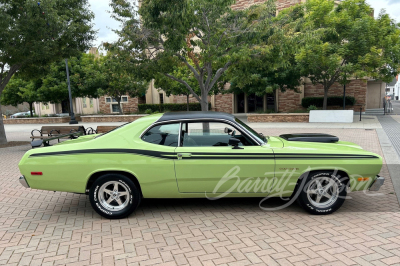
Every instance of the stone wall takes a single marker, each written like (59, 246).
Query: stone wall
(251, 118)
(224, 103)
(289, 101)
(356, 88)
(127, 107)
(280, 4)
(38, 120)
(183, 99)
(110, 118)
(41, 120)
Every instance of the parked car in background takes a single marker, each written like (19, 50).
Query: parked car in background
(22, 114)
(62, 114)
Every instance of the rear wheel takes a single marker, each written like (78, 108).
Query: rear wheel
(322, 193)
(114, 196)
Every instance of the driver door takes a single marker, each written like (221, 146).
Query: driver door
(208, 164)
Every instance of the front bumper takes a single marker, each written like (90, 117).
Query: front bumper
(23, 182)
(376, 185)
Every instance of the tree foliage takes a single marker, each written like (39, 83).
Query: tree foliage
(117, 80)
(85, 79)
(351, 43)
(206, 37)
(19, 91)
(273, 65)
(34, 34)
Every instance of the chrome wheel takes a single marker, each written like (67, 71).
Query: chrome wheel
(114, 195)
(322, 192)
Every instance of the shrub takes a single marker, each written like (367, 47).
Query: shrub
(332, 101)
(312, 107)
(173, 107)
(148, 111)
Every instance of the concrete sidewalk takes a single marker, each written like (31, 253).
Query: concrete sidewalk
(21, 132)
(58, 228)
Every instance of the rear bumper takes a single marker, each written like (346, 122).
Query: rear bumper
(376, 185)
(23, 182)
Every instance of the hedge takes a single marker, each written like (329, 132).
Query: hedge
(332, 101)
(166, 107)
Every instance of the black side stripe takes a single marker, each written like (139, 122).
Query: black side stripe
(210, 155)
(165, 155)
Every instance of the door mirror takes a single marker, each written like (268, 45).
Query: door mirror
(228, 130)
(235, 143)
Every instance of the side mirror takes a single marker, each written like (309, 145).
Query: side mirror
(235, 143)
(227, 130)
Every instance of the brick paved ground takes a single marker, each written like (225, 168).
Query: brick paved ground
(53, 228)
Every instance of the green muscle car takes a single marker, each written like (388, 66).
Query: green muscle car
(201, 154)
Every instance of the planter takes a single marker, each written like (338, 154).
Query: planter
(290, 117)
(37, 120)
(110, 118)
(331, 116)
(40, 120)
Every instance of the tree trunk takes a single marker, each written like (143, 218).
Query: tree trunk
(30, 109)
(325, 98)
(204, 102)
(187, 101)
(119, 105)
(3, 138)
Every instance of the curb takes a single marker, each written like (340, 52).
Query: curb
(392, 160)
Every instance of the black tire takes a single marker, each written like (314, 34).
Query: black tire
(110, 203)
(310, 192)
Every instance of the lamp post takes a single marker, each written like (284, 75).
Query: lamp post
(344, 96)
(73, 121)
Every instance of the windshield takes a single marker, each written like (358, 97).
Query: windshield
(113, 129)
(259, 137)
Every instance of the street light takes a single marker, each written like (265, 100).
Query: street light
(73, 121)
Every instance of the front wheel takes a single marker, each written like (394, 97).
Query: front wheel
(322, 192)
(114, 196)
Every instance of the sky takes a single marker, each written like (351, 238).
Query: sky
(104, 23)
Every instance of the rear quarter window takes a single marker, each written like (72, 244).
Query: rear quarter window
(166, 135)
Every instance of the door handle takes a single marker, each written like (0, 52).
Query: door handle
(181, 155)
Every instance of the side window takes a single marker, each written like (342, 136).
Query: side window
(166, 135)
(206, 134)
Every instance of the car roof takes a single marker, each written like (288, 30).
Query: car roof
(195, 115)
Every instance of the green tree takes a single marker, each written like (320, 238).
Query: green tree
(19, 91)
(172, 87)
(209, 33)
(34, 34)
(117, 80)
(85, 79)
(273, 65)
(351, 43)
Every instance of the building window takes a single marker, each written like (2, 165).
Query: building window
(84, 102)
(124, 99)
(91, 103)
(108, 100)
(161, 98)
(115, 108)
